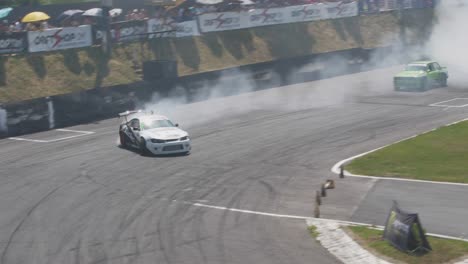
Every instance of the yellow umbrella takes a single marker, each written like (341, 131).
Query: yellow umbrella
(35, 17)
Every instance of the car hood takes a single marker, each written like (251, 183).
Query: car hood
(164, 133)
(411, 74)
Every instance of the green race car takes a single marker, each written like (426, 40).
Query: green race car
(420, 76)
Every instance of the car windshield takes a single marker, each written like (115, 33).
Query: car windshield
(416, 68)
(150, 124)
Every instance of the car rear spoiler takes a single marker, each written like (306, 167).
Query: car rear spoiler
(127, 113)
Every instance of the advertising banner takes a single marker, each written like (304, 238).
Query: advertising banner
(404, 231)
(187, 29)
(341, 9)
(401, 4)
(222, 21)
(305, 13)
(179, 30)
(274, 16)
(128, 31)
(12, 42)
(265, 17)
(161, 25)
(59, 38)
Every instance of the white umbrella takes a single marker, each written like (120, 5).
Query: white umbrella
(209, 2)
(93, 12)
(115, 12)
(247, 2)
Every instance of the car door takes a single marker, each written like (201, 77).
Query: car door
(432, 73)
(134, 130)
(440, 72)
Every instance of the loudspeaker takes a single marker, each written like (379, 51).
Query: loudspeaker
(159, 70)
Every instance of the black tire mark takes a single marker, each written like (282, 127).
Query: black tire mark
(28, 214)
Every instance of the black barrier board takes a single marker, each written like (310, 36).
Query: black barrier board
(97, 104)
(404, 231)
(128, 31)
(12, 42)
(28, 116)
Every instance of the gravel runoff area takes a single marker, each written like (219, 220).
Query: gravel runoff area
(342, 246)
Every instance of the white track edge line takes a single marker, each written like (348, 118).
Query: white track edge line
(305, 218)
(82, 133)
(65, 138)
(76, 131)
(457, 98)
(26, 139)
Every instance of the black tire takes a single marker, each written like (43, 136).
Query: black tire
(143, 149)
(123, 140)
(443, 82)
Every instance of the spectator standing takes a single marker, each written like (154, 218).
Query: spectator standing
(31, 27)
(143, 14)
(18, 26)
(180, 14)
(4, 26)
(128, 16)
(44, 25)
(134, 14)
(74, 23)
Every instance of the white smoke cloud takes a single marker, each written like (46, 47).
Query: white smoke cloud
(447, 44)
(449, 40)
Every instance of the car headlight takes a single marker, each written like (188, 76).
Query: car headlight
(184, 138)
(153, 140)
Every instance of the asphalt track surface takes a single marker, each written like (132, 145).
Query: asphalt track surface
(85, 200)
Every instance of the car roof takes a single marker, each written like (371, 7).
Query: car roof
(144, 116)
(421, 62)
(153, 117)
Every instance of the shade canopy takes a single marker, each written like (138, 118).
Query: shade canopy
(209, 2)
(93, 12)
(115, 12)
(69, 14)
(4, 12)
(35, 17)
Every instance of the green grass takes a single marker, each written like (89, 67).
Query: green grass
(313, 231)
(443, 250)
(440, 155)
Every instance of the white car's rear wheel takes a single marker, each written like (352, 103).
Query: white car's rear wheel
(123, 141)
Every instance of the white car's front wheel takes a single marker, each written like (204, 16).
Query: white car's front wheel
(143, 149)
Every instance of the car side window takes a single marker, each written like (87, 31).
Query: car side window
(134, 123)
(431, 67)
(437, 66)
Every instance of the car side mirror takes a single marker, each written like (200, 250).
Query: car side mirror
(177, 125)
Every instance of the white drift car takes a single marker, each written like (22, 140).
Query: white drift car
(152, 133)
